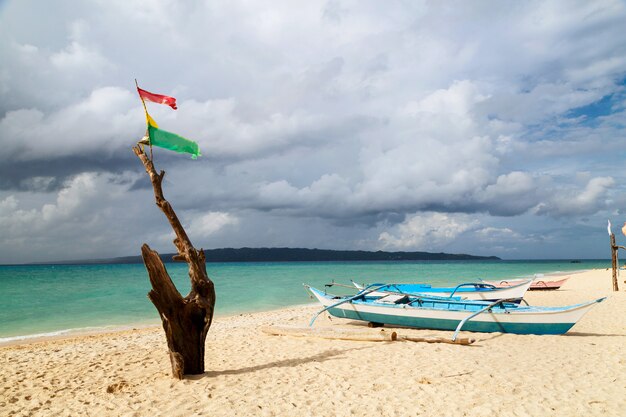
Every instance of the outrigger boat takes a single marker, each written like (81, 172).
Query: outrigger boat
(447, 314)
(480, 291)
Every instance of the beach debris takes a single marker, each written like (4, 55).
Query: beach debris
(458, 341)
(338, 333)
(117, 387)
(332, 333)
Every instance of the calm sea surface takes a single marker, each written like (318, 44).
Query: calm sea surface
(53, 299)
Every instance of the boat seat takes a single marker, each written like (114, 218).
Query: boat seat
(394, 299)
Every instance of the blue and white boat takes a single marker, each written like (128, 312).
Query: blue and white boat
(469, 291)
(448, 314)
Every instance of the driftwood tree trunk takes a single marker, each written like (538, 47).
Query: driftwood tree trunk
(186, 320)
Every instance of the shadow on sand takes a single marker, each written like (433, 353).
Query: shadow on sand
(320, 357)
(582, 334)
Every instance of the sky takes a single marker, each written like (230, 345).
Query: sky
(480, 127)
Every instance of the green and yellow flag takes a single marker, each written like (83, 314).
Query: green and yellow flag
(162, 138)
(172, 141)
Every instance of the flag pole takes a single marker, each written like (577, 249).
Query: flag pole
(145, 109)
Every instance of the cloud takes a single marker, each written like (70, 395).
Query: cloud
(427, 231)
(76, 57)
(496, 234)
(223, 133)
(93, 124)
(511, 194)
(68, 205)
(81, 220)
(204, 225)
(326, 119)
(568, 202)
(458, 99)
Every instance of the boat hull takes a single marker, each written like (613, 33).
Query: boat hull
(536, 285)
(443, 315)
(437, 323)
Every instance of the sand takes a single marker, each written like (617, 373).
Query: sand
(249, 373)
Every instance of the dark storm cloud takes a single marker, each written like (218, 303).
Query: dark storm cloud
(43, 175)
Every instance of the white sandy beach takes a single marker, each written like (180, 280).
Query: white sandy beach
(127, 373)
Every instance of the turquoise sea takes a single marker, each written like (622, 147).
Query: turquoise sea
(54, 299)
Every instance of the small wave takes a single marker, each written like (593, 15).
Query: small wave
(34, 336)
(67, 332)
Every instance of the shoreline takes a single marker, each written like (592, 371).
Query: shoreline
(111, 329)
(247, 372)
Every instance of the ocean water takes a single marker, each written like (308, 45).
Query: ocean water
(53, 299)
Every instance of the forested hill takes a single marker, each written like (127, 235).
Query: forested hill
(304, 255)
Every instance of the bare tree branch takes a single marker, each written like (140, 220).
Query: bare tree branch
(187, 320)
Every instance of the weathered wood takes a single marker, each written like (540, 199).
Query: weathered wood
(335, 333)
(459, 341)
(186, 320)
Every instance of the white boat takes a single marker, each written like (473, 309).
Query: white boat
(446, 314)
(537, 284)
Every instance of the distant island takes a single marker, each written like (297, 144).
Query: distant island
(300, 255)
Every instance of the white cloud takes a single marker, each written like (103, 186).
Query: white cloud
(459, 99)
(73, 202)
(77, 57)
(511, 194)
(102, 122)
(204, 225)
(497, 234)
(427, 231)
(8, 205)
(222, 133)
(81, 220)
(572, 201)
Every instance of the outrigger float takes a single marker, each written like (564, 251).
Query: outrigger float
(450, 314)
